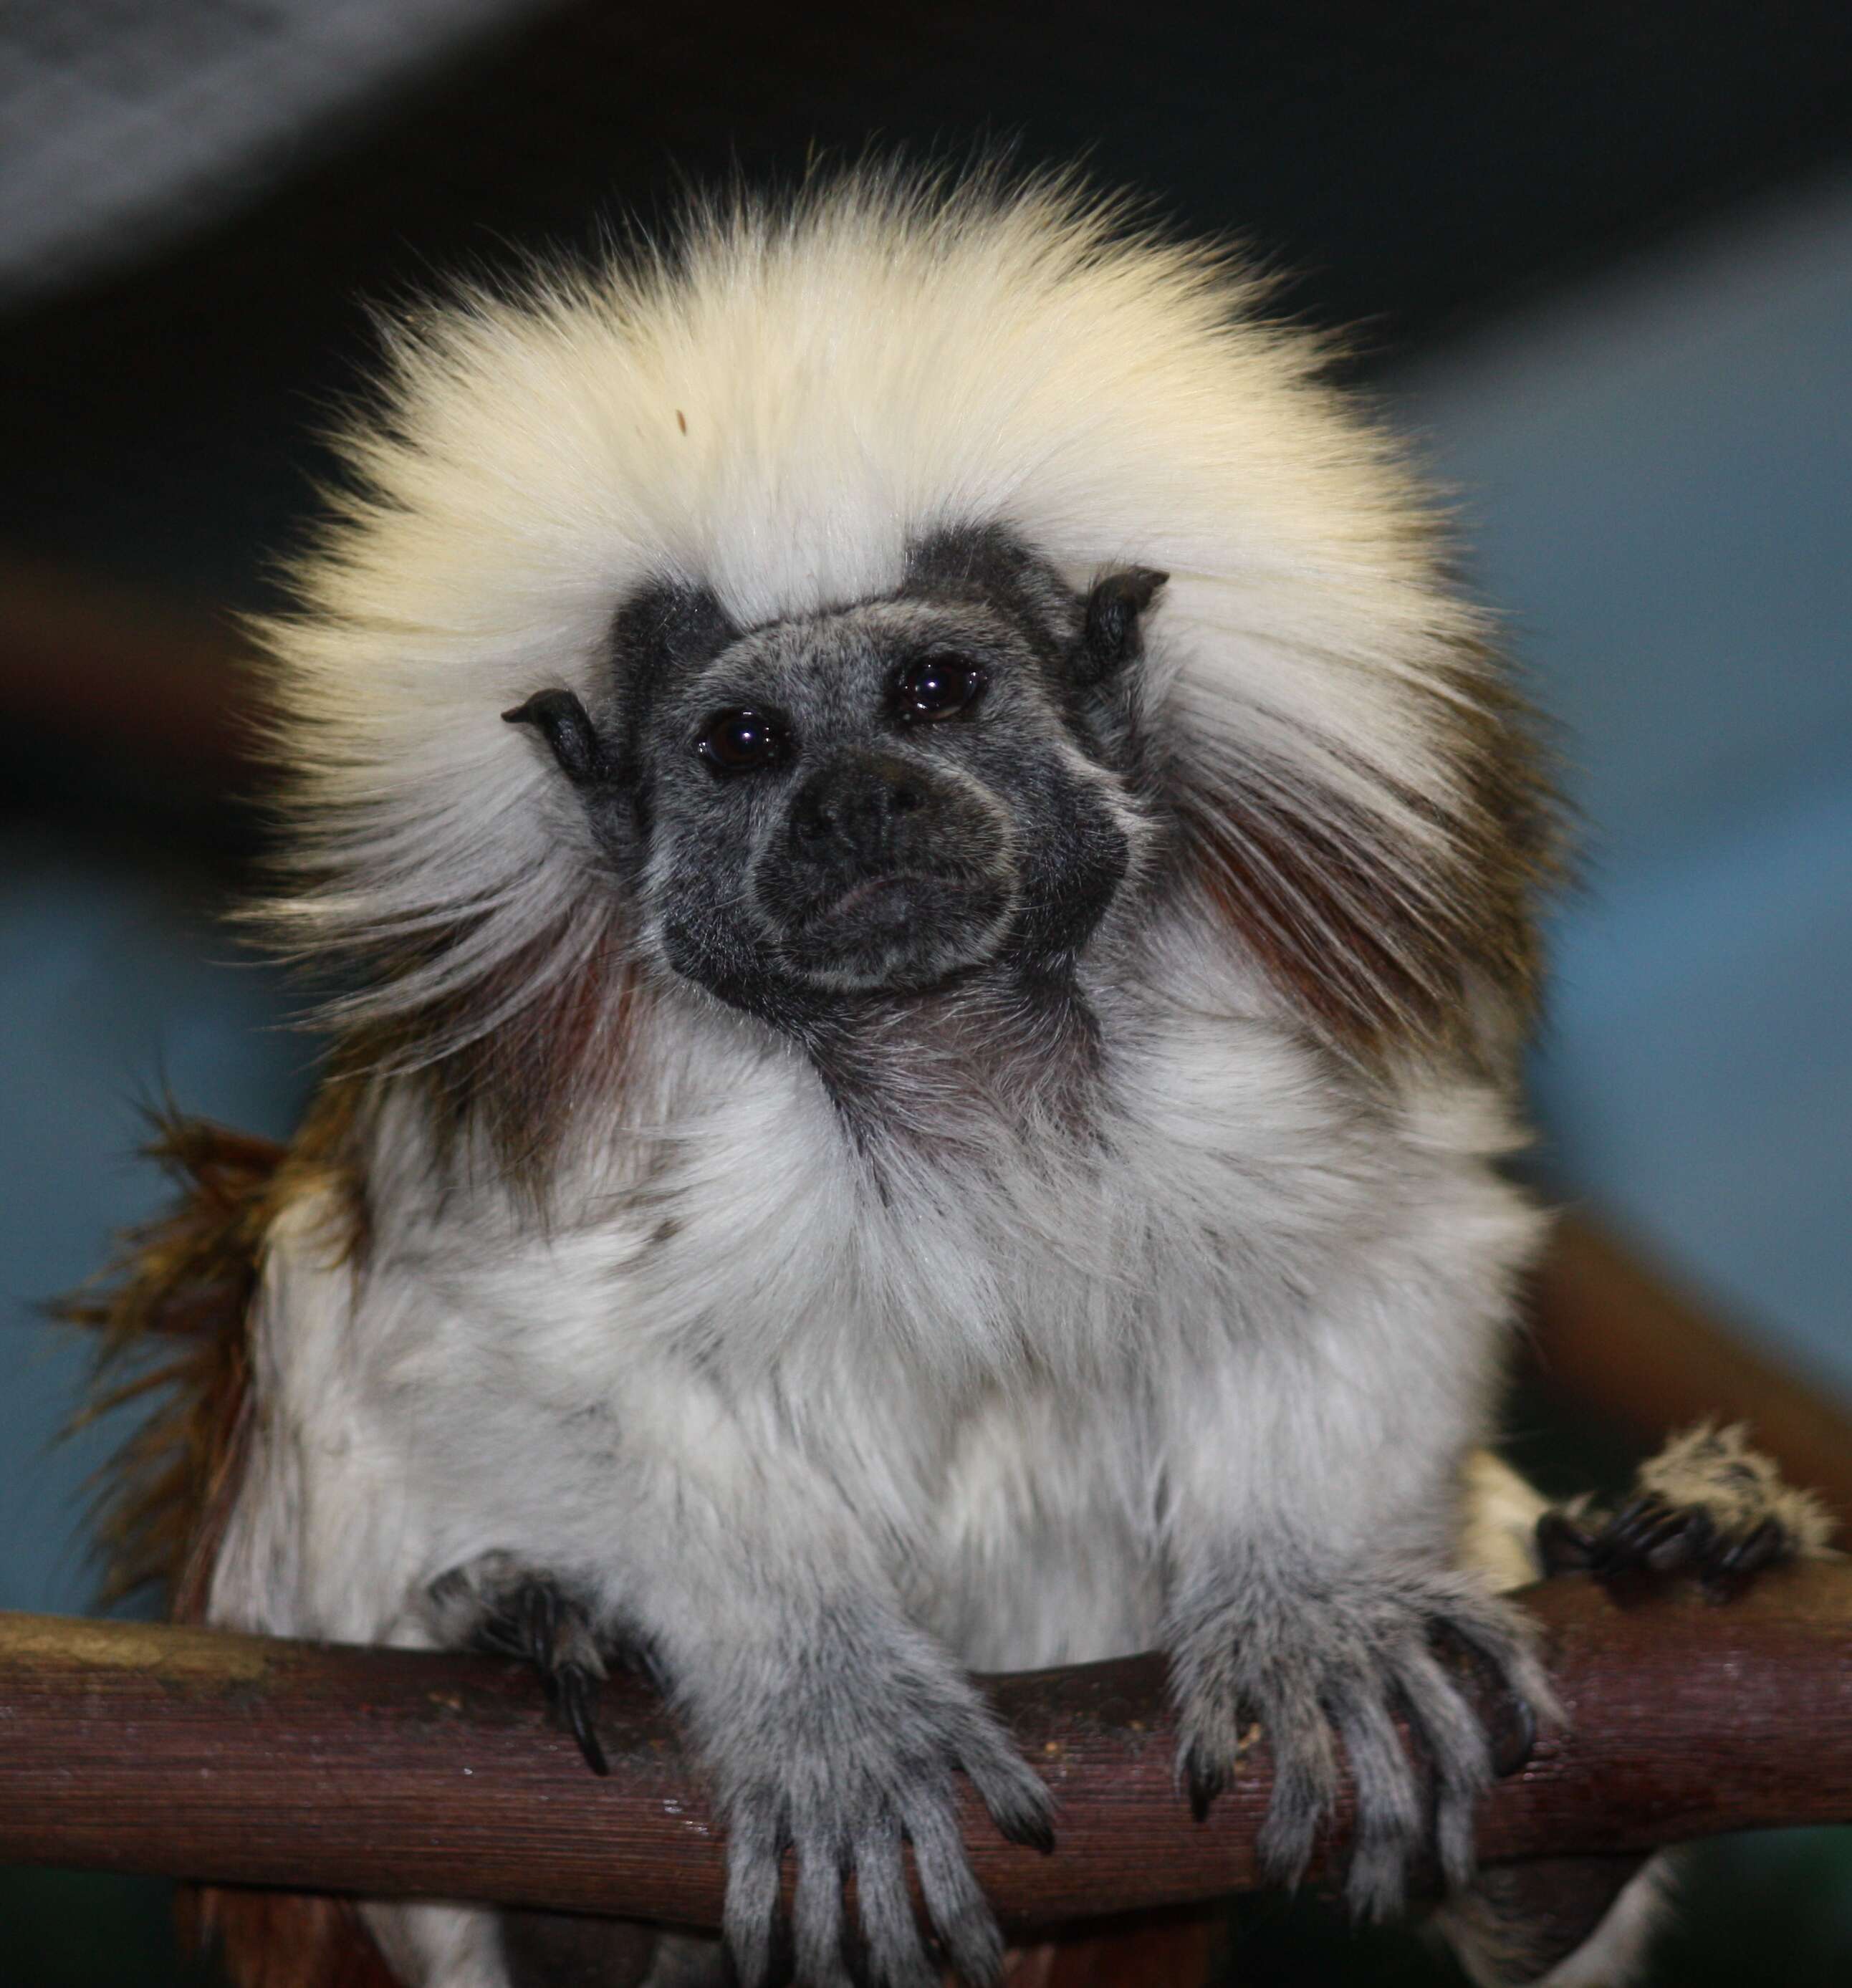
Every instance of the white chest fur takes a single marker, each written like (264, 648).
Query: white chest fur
(977, 1346)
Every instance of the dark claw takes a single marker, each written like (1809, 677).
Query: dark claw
(540, 1621)
(1510, 1721)
(1670, 1544)
(502, 1636)
(1642, 1509)
(1562, 1546)
(1752, 1554)
(1034, 1832)
(1206, 1782)
(1732, 1570)
(1686, 1545)
(527, 1625)
(1644, 1534)
(1640, 1519)
(1654, 1535)
(574, 1692)
(1513, 1733)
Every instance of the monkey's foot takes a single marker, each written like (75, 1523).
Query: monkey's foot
(500, 1606)
(1707, 1507)
(1311, 1670)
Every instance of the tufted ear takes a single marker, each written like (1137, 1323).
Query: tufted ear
(1111, 637)
(563, 723)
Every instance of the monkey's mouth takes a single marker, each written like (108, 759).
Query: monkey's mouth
(896, 928)
(889, 896)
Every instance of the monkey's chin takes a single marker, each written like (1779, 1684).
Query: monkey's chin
(899, 933)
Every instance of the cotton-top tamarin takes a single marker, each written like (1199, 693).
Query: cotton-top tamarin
(941, 895)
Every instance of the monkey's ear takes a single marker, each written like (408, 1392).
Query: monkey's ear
(563, 721)
(1111, 637)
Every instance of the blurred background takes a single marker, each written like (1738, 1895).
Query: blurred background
(1598, 260)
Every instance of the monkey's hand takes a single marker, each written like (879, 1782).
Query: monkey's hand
(843, 1756)
(1707, 1506)
(1307, 1665)
(500, 1605)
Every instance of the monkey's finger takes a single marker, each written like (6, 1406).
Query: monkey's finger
(1497, 1635)
(496, 1627)
(1205, 1779)
(540, 1609)
(1388, 1813)
(1755, 1551)
(754, 1846)
(1459, 1756)
(1644, 1555)
(1017, 1798)
(1731, 1569)
(1563, 1547)
(575, 1694)
(959, 1914)
(1305, 1785)
(1644, 1526)
(816, 1911)
(896, 1954)
(1512, 1734)
(1683, 1545)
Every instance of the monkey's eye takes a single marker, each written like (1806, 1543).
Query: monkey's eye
(743, 741)
(938, 686)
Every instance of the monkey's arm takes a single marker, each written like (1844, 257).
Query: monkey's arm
(828, 1722)
(1316, 1580)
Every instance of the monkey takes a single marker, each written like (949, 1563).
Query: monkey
(939, 890)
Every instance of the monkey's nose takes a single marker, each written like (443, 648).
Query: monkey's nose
(853, 812)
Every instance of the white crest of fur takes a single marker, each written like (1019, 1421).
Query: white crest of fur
(775, 409)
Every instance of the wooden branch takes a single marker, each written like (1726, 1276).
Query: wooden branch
(386, 1772)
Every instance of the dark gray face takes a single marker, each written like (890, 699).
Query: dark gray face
(873, 800)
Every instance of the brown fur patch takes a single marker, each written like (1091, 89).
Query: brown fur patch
(517, 1086)
(173, 1313)
(1387, 948)
(283, 1939)
(174, 1310)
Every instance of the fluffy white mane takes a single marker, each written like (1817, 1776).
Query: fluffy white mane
(774, 405)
